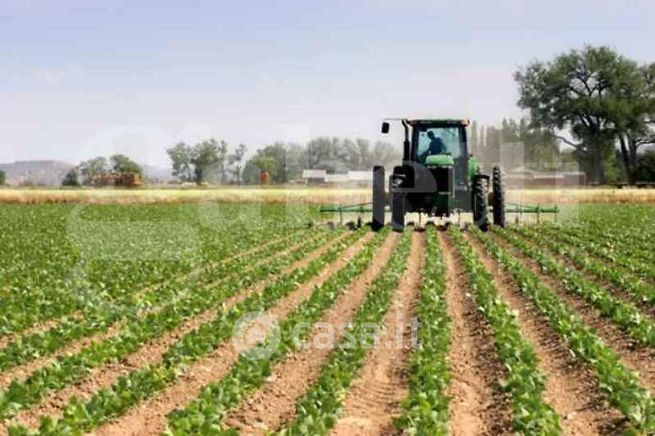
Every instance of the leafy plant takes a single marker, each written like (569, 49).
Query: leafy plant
(617, 382)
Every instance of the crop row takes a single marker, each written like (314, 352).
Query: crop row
(624, 314)
(425, 411)
(102, 317)
(51, 269)
(68, 369)
(134, 387)
(629, 228)
(318, 409)
(578, 255)
(619, 383)
(598, 246)
(207, 411)
(525, 383)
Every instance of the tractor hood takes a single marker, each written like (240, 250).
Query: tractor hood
(442, 160)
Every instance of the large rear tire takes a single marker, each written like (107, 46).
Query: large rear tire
(498, 197)
(378, 198)
(398, 211)
(480, 209)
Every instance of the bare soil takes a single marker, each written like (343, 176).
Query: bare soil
(646, 308)
(274, 404)
(478, 405)
(373, 400)
(571, 389)
(150, 417)
(36, 328)
(22, 371)
(634, 356)
(103, 377)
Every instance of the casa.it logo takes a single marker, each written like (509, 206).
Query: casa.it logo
(256, 335)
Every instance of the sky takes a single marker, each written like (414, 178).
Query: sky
(81, 78)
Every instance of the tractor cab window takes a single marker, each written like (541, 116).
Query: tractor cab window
(437, 140)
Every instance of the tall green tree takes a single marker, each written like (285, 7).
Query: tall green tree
(123, 165)
(585, 96)
(92, 168)
(180, 155)
(235, 161)
(3, 177)
(203, 162)
(646, 167)
(207, 159)
(636, 121)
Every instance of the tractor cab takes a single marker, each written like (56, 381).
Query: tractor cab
(437, 176)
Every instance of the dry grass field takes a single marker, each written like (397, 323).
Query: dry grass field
(296, 194)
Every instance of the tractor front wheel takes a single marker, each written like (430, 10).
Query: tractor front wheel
(498, 197)
(480, 209)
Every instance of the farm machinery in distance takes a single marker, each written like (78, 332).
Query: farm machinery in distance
(437, 177)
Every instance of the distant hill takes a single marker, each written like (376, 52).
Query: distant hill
(36, 172)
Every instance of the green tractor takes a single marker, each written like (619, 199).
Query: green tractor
(437, 177)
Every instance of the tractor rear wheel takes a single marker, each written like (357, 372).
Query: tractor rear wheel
(398, 211)
(498, 197)
(480, 209)
(378, 198)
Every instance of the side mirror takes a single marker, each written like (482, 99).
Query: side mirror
(385, 127)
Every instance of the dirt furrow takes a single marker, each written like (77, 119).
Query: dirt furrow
(36, 328)
(633, 356)
(478, 405)
(212, 264)
(150, 417)
(26, 369)
(50, 323)
(105, 376)
(274, 404)
(373, 400)
(22, 371)
(571, 389)
(646, 308)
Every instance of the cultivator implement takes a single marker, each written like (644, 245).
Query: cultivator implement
(518, 209)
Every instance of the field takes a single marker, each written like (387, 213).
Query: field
(294, 194)
(223, 318)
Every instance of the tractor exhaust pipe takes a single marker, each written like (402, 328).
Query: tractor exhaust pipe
(406, 142)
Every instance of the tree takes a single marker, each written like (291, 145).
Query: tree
(586, 97)
(206, 160)
(93, 168)
(327, 153)
(235, 160)
(636, 128)
(122, 164)
(180, 155)
(72, 178)
(274, 160)
(3, 177)
(646, 167)
(540, 146)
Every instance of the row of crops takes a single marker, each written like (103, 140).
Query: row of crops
(201, 272)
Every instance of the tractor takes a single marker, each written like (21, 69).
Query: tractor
(437, 177)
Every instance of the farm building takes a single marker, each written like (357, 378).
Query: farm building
(321, 177)
(522, 177)
(314, 177)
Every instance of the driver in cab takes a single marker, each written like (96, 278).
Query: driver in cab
(436, 147)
